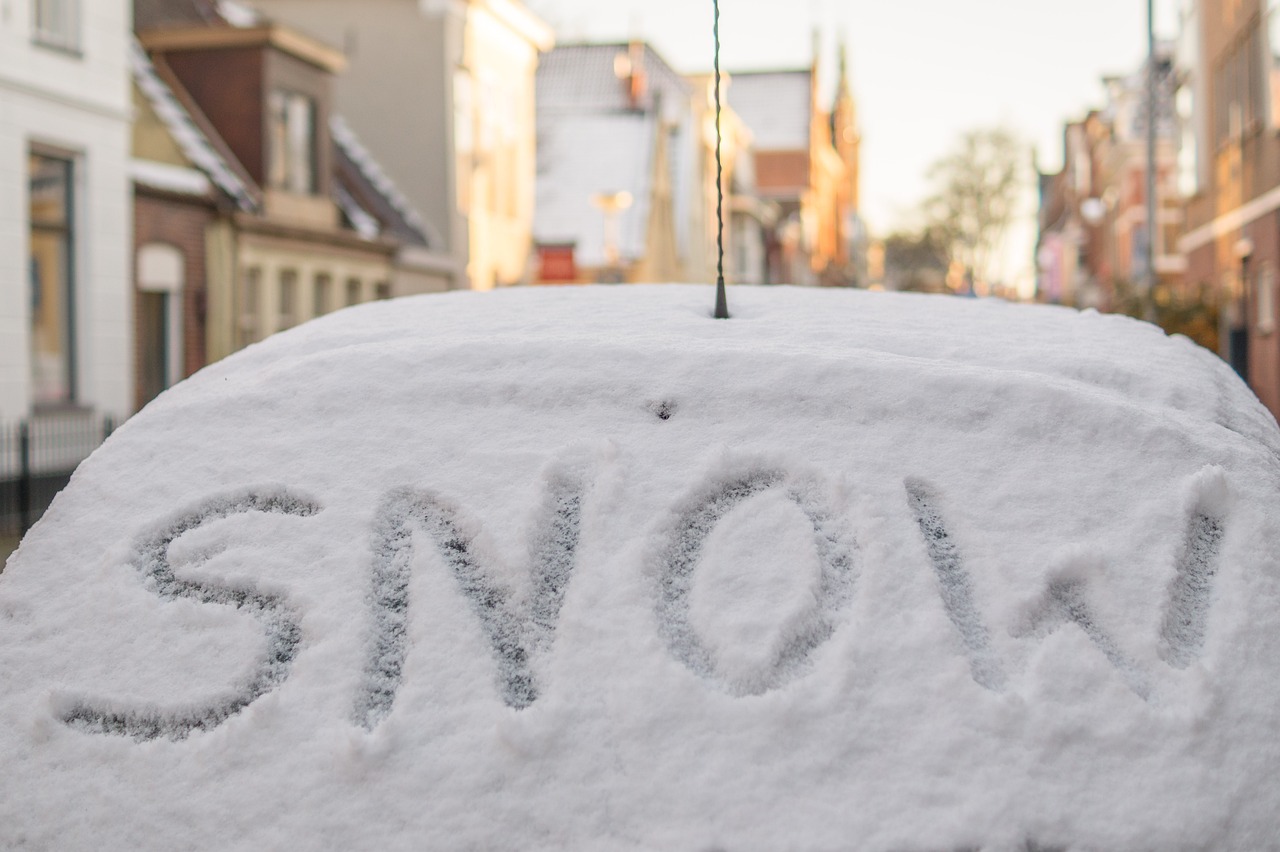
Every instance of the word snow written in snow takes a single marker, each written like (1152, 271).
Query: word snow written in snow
(520, 635)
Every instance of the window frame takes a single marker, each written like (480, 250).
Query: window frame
(288, 169)
(67, 38)
(65, 231)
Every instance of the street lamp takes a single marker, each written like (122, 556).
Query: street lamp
(1239, 340)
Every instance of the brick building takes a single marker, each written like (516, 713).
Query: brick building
(1229, 58)
(256, 206)
(807, 161)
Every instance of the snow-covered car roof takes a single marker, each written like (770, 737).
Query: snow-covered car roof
(587, 569)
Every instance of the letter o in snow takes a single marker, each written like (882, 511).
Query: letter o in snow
(684, 552)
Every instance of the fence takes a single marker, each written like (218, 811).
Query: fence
(37, 458)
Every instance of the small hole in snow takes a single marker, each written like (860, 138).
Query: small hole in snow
(663, 410)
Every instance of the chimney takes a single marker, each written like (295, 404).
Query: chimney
(637, 80)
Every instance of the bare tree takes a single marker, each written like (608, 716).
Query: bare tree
(977, 187)
(916, 262)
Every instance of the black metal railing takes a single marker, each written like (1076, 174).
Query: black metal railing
(37, 457)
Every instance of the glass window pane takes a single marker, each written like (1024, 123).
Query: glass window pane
(278, 171)
(288, 299)
(292, 133)
(50, 318)
(250, 306)
(323, 295)
(56, 23)
(301, 133)
(50, 187)
(50, 276)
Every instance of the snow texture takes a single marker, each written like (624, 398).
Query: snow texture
(583, 568)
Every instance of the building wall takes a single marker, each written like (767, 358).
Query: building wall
(1240, 192)
(180, 224)
(355, 276)
(228, 86)
(498, 178)
(397, 93)
(442, 95)
(75, 104)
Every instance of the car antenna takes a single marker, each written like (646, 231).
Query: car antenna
(722, 304)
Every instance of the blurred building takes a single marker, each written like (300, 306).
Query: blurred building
(1093, 234)
(442, 93)
(186, 188)
(807, 161)
(256, 206)
(1229, 60)
(627, 175)
(747, 217)
(65, 296)
(618, 194)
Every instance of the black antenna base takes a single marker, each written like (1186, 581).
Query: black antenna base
(722, 304)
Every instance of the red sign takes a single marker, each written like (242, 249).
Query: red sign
(556, 263)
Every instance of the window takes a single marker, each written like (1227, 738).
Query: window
(353, 291)
(322, 295)
(1267, 299)
(52, 278)
(293, 142)
(248, 330)
(288, 299)
(56, 23)
(382, 290)
(1189, 144)
(1271, 61)
(1242, 87)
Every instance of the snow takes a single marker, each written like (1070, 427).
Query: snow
(176, 179)
(584, 568)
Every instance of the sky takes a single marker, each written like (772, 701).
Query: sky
(924, 71)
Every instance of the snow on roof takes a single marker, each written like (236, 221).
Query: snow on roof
(362, 221)
(179, 180)
(405, 220)
(776, 106)
(238, 14)
(580, 78)
(586, 569)
(193, 142)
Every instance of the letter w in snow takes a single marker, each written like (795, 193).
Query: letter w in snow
(1066, 600)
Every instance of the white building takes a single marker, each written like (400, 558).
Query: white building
(65, 212)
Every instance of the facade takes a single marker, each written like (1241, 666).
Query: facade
(65, 297)
(255, 199)
(807, 163)
(747, 218)
(620, 168)
(442, 93)
(1076, 259)
(1093, 233)
(1229, 59)
(186, 189)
